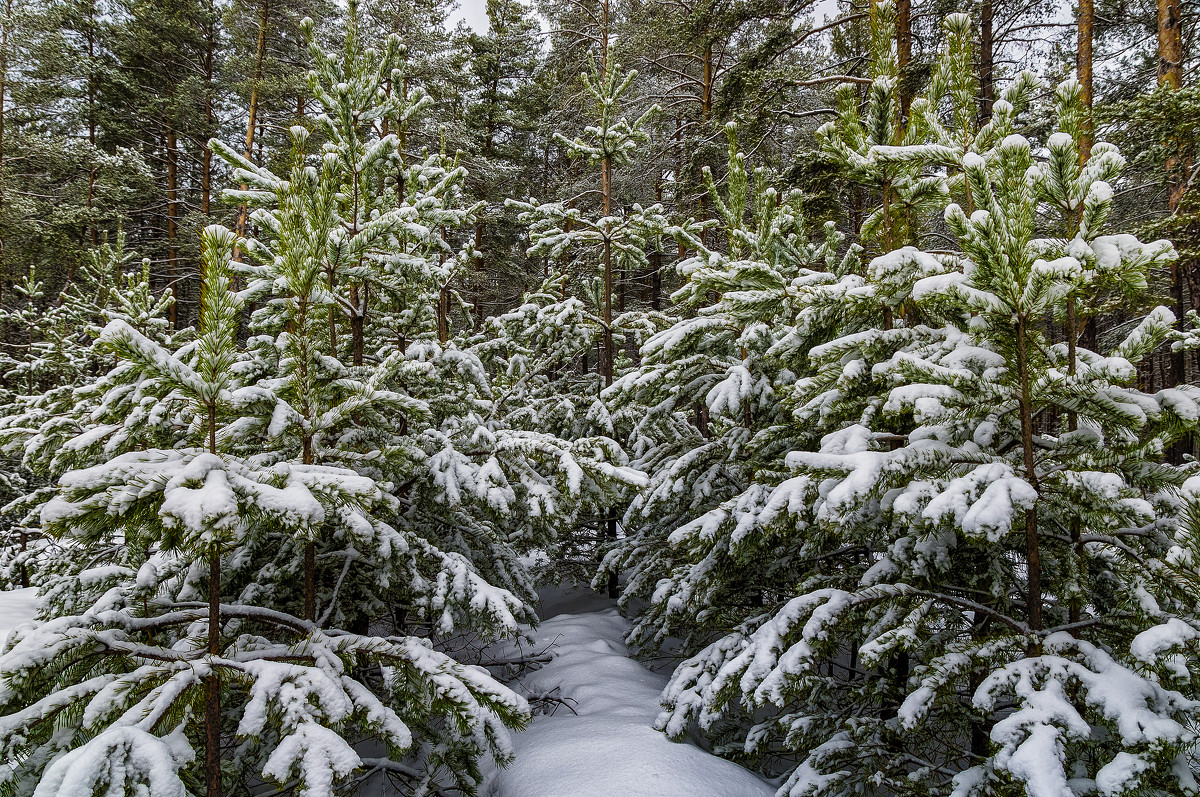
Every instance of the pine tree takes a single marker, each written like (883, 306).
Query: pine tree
(46, 366)
(945, 598)
(477, 491)
(499, 125)
(161, 674)
(899, 144)
(741, 310)
(606, 248)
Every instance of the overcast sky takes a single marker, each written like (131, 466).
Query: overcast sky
(473, 11)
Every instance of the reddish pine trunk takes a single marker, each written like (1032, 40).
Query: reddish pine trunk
(212, 684)
(173, 222)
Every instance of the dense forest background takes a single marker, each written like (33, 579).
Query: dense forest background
(106, 110)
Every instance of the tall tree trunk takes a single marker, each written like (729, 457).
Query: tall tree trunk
(4, 31)
(173, 222)
(1170, 74)
(987, 61)
(212, 683)
(1170, 43)
(91, 113)
(482, 264)
(706, 112)
(210, 46)
(252, 119)
(904, 52)
(606, 363)
(1033, 558)
(1083, 67)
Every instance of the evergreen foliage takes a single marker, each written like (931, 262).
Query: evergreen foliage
(978, 493)
(293, 430)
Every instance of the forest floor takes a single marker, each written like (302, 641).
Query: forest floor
(16, 607)
(595, 736)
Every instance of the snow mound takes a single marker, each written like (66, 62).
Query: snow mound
(16, 606)
(608, 745)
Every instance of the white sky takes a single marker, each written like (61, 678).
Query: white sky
(473, 11)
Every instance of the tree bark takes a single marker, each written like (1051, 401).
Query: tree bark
(443, 314)
(358, 323)
(259, 53)
(904, 52)
(7, 22)
(310, 581)
(987, 61)
(212, 683)
(1170, 74)
(1032, 547)
(173, 222)
(91, 111)
(1083, 68)
(1170, 43)
(209, 130)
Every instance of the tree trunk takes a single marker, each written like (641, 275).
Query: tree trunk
(1170, 74)
(1032, 547)
(904, 52)
(443, 314)
(259, 52)
(212, 683)
(987, 59)
(606, 364)
(330, 281)
(443, 305)
(656, 264)
(209, 130)
(310, 581)
(358, 323)
(91, 113)
(173, 222)
(1170, 43)
(1083, 66)
(3, 97)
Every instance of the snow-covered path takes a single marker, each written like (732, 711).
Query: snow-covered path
(16, 606)
(607, 747)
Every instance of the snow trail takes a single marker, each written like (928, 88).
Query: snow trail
(17, 606)
(601, 741)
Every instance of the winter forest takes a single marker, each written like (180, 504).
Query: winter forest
(613, 398)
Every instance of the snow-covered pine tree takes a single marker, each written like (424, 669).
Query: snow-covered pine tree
(473, 492)
(911, 160)
(51, 395)
(742, 307)
(616, 240)
(950, 634)
(163, 646)
(598, 247)
(900, 156)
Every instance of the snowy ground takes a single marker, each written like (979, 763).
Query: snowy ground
(16, 607)
(600, 741)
